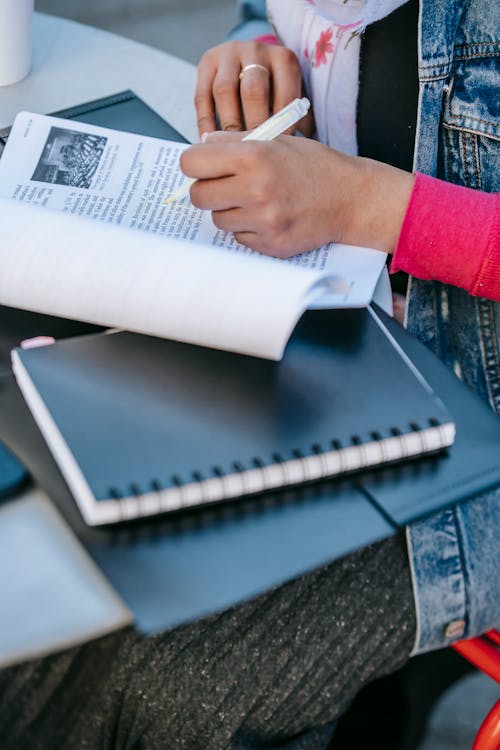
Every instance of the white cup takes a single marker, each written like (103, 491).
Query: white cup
(16, 18)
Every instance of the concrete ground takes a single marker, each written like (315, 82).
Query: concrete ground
(459, 713)
(187, 28)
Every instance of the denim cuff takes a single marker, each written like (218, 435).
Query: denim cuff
(455, 563)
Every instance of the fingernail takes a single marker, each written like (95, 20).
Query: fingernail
(204, 137)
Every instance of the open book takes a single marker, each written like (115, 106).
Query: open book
(85, 234)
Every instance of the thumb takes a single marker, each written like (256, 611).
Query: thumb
(307, 125)
(223, 136)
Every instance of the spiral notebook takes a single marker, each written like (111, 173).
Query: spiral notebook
(141, 426)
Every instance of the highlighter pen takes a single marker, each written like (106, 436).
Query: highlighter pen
(266, 131)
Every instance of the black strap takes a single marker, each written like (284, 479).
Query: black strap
(387, 103)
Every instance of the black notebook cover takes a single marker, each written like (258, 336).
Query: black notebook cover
(140, 425)
(123, 111)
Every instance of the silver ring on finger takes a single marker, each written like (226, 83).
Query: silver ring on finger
(251, 66)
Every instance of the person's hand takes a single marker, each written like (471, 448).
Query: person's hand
(262, 90)
(289, 195)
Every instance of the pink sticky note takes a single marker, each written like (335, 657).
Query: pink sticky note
(37, 341)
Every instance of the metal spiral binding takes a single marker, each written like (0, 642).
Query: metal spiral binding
(282, 470)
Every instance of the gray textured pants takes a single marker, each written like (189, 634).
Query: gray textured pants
(274, 672)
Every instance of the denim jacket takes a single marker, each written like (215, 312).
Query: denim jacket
(455, 554)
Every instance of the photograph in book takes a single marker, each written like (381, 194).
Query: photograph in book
(77, 190)
(70, 158)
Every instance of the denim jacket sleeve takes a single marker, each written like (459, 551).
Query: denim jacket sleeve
(253, 20)
(455, 562)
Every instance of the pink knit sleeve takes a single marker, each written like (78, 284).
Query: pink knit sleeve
(451, 234)
(267, 39)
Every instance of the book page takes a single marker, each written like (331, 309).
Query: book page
(65, 265)
(86, 234)
(123, 179)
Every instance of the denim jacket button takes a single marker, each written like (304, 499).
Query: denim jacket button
(455, 629)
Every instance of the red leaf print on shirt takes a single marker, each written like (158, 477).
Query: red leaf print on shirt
(323, 47)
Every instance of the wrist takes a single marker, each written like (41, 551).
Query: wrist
(375, 198)
(383, 196)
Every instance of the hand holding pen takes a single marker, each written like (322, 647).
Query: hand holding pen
(288, 195)
(266, 131)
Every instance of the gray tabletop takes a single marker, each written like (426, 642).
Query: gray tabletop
(73, 63)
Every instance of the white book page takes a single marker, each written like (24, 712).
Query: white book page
(122, 178)
(65, 265)
(87, 174)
